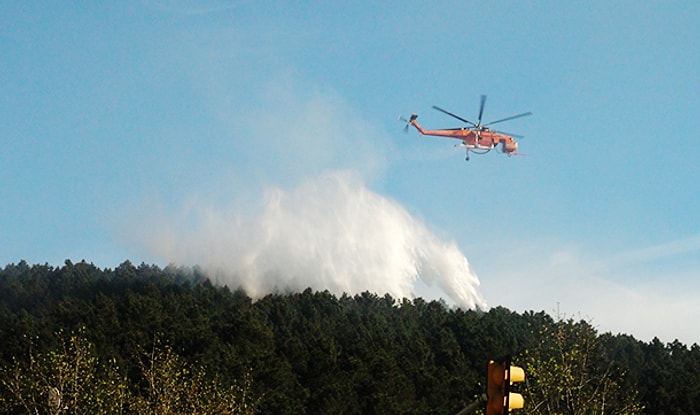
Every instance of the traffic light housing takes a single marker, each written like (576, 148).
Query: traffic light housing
(500, 376)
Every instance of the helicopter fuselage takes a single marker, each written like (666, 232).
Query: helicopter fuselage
(473, 139)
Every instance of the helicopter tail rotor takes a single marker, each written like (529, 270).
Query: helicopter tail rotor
(407, 121)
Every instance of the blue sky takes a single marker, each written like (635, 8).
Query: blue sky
(130, 127)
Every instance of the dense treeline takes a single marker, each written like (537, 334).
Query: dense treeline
(315, 353)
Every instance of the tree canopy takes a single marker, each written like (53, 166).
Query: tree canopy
(309, 352)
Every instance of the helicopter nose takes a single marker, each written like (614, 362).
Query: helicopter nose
(510, 146)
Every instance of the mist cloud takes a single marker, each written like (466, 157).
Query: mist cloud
(330, 232)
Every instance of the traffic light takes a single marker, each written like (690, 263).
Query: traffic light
(499, 398)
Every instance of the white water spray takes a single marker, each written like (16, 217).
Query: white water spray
(330, 233)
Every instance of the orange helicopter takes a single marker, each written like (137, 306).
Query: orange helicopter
(477, 138)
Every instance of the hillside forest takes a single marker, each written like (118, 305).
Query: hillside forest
(78, 339)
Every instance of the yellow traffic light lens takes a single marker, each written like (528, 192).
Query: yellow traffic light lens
(515, 401)
(517, 374)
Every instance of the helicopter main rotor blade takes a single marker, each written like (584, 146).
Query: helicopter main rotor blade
(525, 114)
(453, 115)
(481, 108)
(510, 134)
